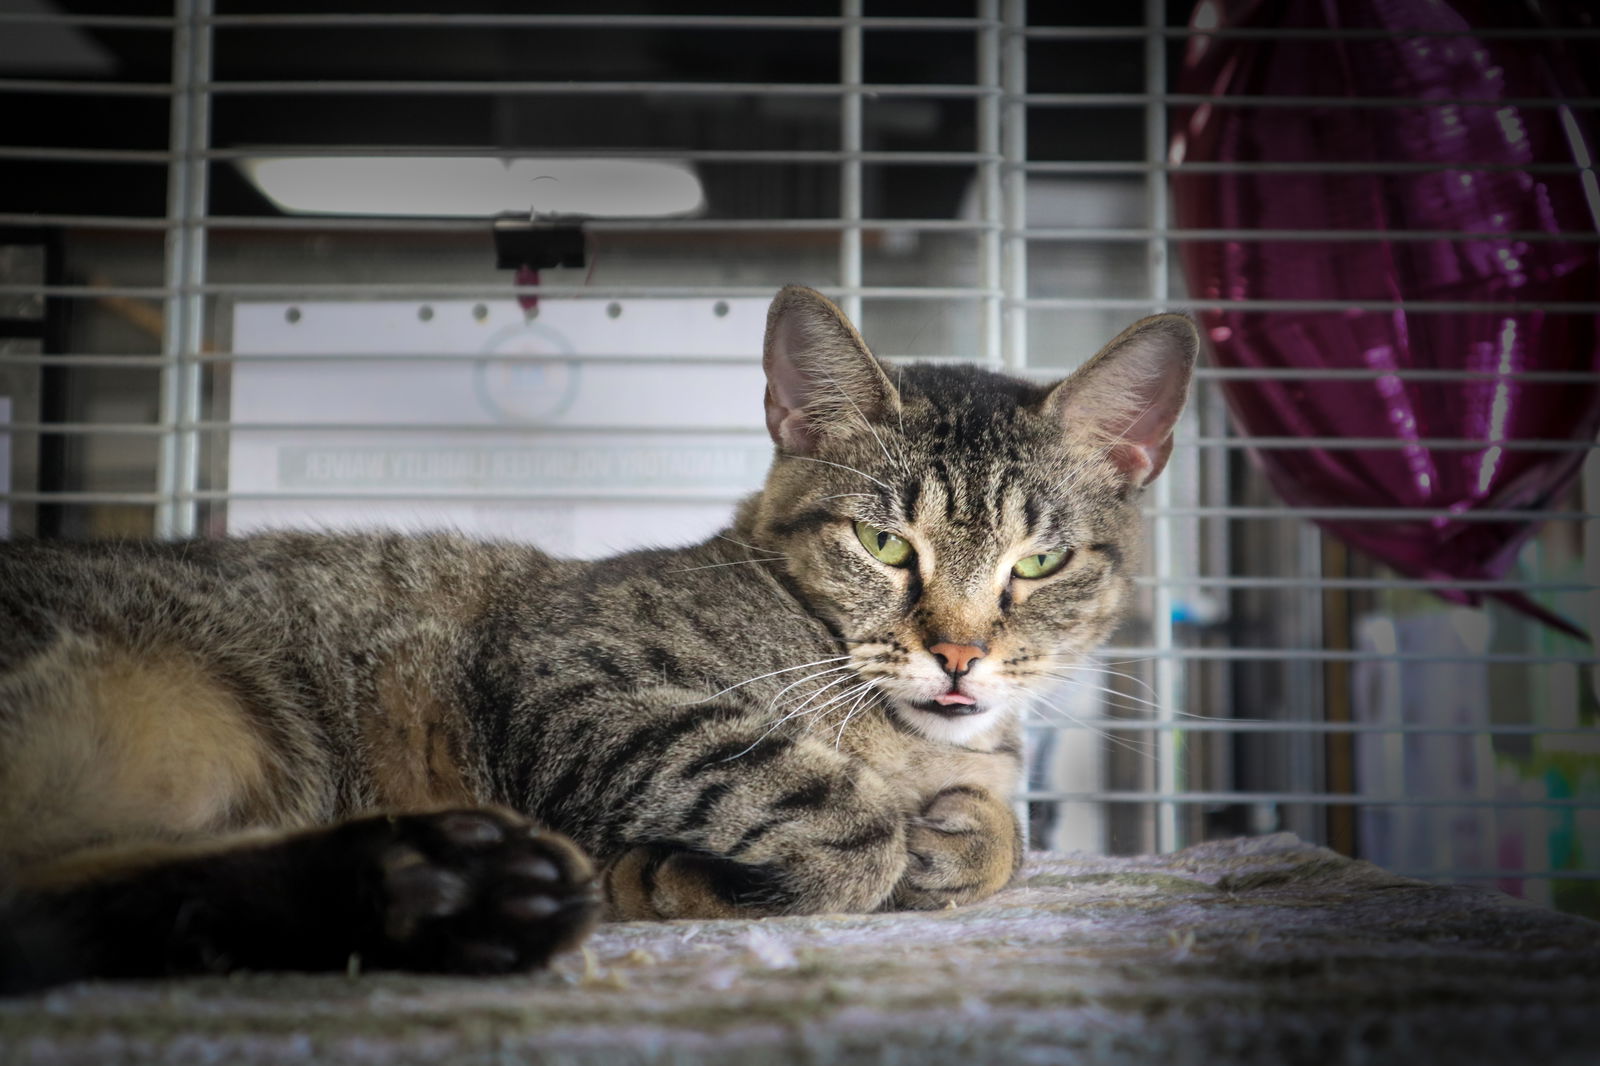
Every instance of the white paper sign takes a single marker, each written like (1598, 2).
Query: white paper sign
(583, 456)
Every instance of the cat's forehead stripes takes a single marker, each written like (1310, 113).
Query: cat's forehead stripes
(1030, 515)
(982, 502)
(910, 494)
(977, 444)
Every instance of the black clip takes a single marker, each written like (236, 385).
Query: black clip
(521, 242)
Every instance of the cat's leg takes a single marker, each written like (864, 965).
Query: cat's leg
(965, 844)
(809, 832)
(705, 810)
(462, 891)
(101, 744)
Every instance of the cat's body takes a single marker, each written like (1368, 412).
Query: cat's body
(818, 709)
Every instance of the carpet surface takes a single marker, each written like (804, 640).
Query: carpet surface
(1265, 950)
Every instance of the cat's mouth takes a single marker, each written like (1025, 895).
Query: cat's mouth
(952, 704)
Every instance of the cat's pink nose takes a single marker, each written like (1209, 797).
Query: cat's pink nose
(957, 658)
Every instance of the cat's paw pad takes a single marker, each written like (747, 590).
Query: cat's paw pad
(480, 891)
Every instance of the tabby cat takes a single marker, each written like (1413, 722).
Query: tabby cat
(296, 750)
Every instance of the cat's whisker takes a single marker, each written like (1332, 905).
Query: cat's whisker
(1092, 665)
(865, 686)
(1108, 667)
(752, 547)
(1116, 707)
(850, 711)
(1106, 442)
(805, 707)
(1191, 716)
(884, 448)
(841, 466)
(816, 712)
(1079, 681)
(847, 495)
(1039, 705)
(1135, 678)
(769, 730)
(1175, 714)
(713, 566)
(1124, 662)
(774, 673)
(900, 408)
(855, 709)
(778, 696)
(1154, 706)
(1101, 665)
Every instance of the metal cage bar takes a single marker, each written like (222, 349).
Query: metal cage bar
(179, 463)
(1168, 688)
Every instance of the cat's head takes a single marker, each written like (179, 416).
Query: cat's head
(968, 535)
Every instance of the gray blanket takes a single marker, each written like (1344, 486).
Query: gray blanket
(1250, 951)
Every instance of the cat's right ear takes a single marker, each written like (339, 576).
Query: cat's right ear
(821, 378)
(1127, 399)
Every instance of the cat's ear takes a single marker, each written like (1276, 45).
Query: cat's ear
(821, 379)
(1129, 396)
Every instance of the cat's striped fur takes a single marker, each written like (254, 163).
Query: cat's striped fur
(772, 721)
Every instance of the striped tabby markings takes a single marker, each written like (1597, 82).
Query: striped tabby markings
(413, 740)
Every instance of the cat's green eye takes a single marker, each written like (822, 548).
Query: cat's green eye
(1040, 564)
(885, 547)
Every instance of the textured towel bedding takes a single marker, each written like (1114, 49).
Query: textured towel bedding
(1251, 951)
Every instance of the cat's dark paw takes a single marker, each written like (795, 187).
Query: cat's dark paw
(478, 891)
(464, 891)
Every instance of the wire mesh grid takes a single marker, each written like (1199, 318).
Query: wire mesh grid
(1271, 677)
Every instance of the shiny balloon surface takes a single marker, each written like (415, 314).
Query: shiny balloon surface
(1443, 168)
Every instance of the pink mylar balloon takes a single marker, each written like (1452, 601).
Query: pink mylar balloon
(1466, 179)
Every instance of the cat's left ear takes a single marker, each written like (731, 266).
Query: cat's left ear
(1129, 396)
(821, 379)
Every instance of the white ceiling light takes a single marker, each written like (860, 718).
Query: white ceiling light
(475, 186)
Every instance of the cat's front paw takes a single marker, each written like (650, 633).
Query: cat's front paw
(963, 846)
(479, 891)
